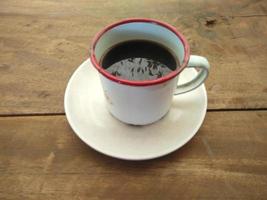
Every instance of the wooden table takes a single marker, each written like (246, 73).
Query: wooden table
(43, 42)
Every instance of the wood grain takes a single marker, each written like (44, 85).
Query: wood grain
(42, 43)
(41, 158)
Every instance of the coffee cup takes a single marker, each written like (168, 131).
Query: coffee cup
(141, 102)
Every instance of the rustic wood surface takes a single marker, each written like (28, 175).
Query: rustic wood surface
(41, 158)
(42, 42)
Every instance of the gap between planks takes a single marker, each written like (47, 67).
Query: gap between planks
(63, 114)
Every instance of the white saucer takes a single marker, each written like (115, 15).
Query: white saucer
(87, 114)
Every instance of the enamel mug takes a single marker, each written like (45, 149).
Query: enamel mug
(144, 102)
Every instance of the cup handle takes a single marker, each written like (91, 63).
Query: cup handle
(200, 63)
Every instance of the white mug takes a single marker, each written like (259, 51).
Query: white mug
(144, 102)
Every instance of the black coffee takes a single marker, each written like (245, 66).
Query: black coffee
(139, 60)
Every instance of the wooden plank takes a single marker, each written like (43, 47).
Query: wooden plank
(42, 44)
(41, 158)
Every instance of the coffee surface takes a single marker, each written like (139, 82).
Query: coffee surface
(139, 60)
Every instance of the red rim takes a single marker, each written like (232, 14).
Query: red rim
(140, 83)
